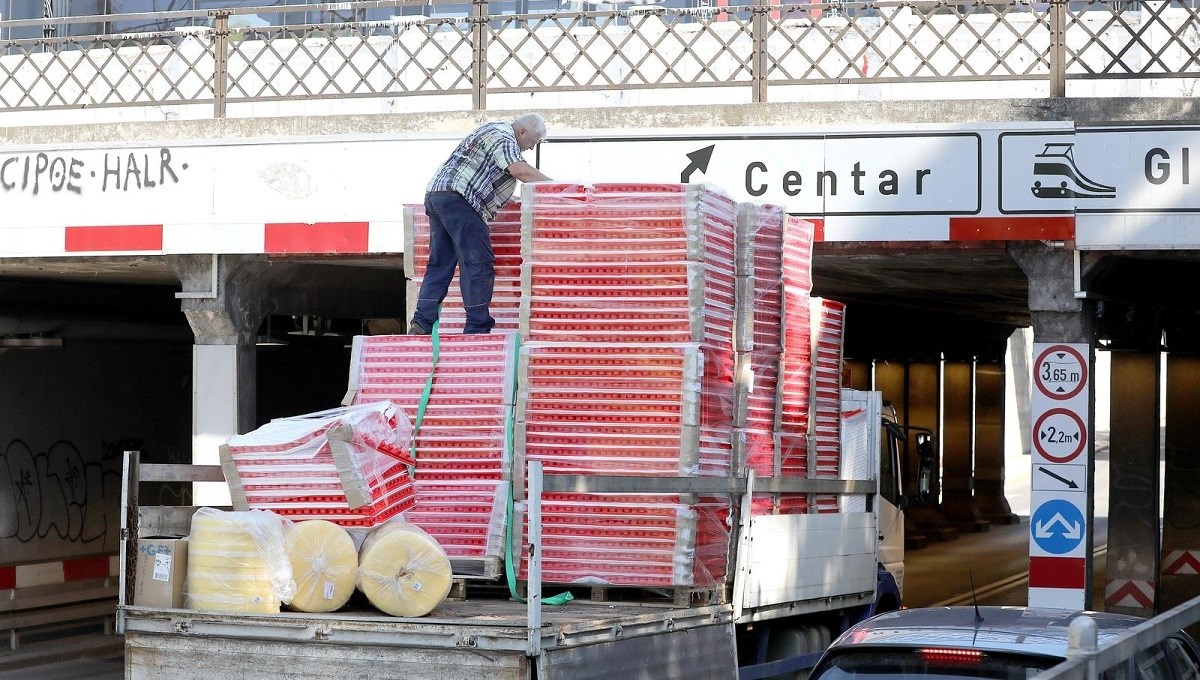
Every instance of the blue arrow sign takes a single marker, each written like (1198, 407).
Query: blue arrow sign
(1057, 526)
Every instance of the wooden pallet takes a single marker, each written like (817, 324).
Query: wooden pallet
(477, 567)
(478, 589)
(680, 596)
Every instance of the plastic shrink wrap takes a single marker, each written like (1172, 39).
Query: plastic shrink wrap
(630, 540)
(629, 308)
(324, 565)
(462, 452)
(632, 263)
(346, 465)
(237, 562)
(402, 570)
(760, 258)
(505, 231)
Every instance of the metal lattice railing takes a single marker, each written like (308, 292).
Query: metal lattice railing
(1151, 38)
(400, 48)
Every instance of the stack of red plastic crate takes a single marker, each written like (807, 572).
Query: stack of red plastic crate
(629, 312)
(506, 245)
(810, 374)
(347, 465)
(462, 456)
(760, 260)
(828, 330)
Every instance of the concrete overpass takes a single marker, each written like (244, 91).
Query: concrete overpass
(158, 343)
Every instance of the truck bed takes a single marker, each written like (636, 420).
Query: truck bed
(460, 640)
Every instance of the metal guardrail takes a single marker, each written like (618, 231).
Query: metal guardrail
(404, 48)
(1087, 661)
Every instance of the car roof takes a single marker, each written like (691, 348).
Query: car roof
(1019, 630)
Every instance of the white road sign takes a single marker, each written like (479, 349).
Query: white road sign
(1060, 371)
(1059, 435)
(911, 173)
(1059, 477)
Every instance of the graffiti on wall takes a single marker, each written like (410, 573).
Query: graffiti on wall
(57, 494)
(43, 173)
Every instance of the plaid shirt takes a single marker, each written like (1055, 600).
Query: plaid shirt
(478, 169)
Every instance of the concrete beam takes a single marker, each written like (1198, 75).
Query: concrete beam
(1084, 111)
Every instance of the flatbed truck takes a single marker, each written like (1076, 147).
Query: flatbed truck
(795, 582)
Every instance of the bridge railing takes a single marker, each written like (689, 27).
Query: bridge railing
(480, 54)
(1086, 660)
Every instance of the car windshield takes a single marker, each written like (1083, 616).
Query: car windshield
(929, 663)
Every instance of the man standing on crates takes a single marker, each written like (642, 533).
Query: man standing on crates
(463, 196)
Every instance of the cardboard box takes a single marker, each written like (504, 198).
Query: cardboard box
(161, 571)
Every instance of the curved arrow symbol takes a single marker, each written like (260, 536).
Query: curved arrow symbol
(699, 162)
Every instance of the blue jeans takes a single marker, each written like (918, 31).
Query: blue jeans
(458, 237)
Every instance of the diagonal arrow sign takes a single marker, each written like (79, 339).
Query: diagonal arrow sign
(1069, 482)
(699, 163)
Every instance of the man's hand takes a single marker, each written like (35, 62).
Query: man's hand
(526, 172)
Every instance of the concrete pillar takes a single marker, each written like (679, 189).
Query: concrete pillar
(1181, 506)
(1020, 345)
(891, 379)
(1133, 543)
(1059, 317)
(958, 447)
(924, 400)
(856, 374)
(989, 444)
(220, 304)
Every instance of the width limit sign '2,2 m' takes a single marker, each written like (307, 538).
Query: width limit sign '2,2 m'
(1059, 534)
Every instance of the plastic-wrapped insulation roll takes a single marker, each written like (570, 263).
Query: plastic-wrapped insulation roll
(402, 570)
(324, 564)
(232, 562)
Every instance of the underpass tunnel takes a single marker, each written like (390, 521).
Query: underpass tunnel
(946, 375)
(98, 357)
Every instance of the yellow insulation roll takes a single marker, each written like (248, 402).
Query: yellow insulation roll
(402, 570)
(324, 564)
(235, 566)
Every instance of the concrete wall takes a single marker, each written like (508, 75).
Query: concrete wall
(68, 413)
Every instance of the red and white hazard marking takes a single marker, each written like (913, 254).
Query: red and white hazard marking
(1128, 593)
(1180, 562)
(280, 238)
(15, 577)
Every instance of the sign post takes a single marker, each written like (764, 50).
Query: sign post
(1059, 536)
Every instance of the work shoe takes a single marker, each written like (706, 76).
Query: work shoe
(415, 328)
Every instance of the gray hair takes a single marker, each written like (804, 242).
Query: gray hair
(532, 122)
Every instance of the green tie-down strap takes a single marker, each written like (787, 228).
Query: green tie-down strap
(510, 568)
(424, 402)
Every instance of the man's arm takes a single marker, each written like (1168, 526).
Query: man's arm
(526, 172)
